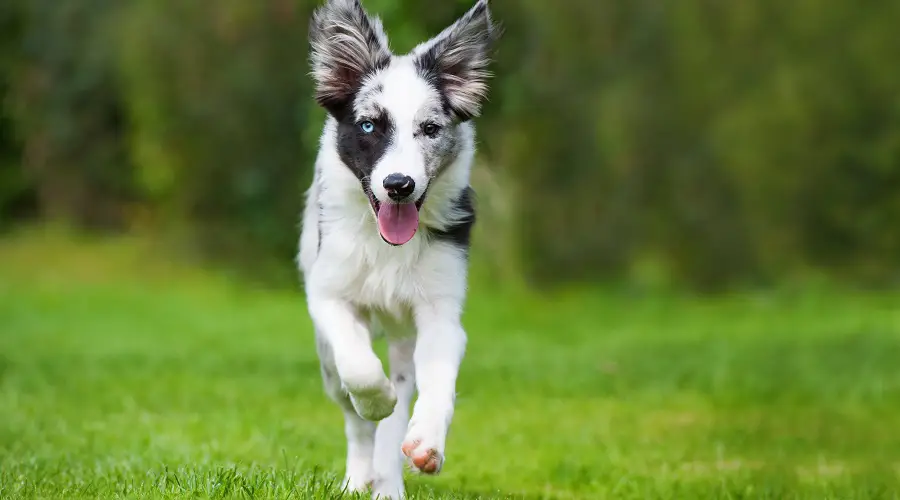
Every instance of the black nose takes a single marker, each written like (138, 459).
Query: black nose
(399, 186)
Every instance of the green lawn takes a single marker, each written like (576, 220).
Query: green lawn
(126, 375)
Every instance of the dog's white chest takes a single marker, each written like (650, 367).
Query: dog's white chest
(389, 284)
(373, 274)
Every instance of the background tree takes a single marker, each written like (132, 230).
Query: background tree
(700, 144)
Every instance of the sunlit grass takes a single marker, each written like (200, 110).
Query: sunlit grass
(125, 374)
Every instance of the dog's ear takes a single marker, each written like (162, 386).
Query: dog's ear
(345, 45)
(457, 60)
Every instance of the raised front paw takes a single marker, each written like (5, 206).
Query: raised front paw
(371, 393)
(374, 402)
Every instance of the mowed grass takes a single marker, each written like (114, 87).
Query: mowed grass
(126, 375)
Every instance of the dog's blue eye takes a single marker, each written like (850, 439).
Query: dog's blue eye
(367, 127)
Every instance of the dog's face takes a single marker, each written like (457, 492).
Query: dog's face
(398, 117)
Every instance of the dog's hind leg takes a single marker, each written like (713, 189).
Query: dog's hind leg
(388, 457)
(360, 432)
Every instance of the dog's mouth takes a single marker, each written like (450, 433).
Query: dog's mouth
(397, 222)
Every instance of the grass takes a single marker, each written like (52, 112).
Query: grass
(126, 375)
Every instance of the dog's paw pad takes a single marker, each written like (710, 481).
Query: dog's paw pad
(425, 459)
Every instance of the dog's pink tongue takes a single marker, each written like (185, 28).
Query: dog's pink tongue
(398, 223)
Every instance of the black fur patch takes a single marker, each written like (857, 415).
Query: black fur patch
(459, 234)
(361, 151)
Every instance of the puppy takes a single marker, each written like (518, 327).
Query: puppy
(386, 228)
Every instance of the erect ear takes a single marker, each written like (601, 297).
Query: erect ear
(457, 60)
(345, 45)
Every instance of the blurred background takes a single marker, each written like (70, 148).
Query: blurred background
(685, 270)
(693, 144)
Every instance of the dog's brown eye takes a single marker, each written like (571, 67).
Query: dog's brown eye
(430, 129)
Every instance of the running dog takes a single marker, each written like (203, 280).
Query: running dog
(386, 227)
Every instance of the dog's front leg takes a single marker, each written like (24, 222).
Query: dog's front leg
(440, 346)
(359, 369)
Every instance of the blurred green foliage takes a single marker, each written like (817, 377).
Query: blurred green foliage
(67, 110)
(694, 143)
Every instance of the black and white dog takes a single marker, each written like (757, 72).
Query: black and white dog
(386, 229)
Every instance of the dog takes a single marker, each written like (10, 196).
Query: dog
(386, 231)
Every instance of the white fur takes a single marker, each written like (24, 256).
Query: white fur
(358, 286)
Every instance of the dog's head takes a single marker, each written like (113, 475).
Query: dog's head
(398, 117)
